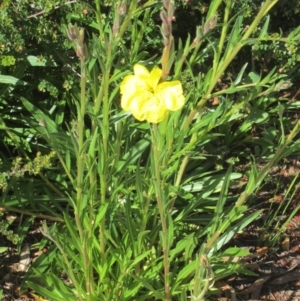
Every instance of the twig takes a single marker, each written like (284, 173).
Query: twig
(56, 7)
(37, 215)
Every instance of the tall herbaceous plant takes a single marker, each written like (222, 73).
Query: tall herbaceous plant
(133, 160)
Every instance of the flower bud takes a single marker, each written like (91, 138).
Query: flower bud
(282, 85)
(116, 26)
(164, 16)
(171, 10)
(165, 29)
(82, 51)
(73, 33)
(199, 34)
(210, 24)
(166, 4)
(81, 35)
(122, 9)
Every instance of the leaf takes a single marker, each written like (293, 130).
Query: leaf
(39, 62)
(23, 231)
(157, 294)
(133, 154)
(187, 271)
(138, 259)
(72, 232)
(41, 265)
(264, 30)
(3, 249)
(226, 237)
(234, 37)
(258, 116)
(240, 75)
(40, 116)
(11, 80)
(101, 213)
(234, 251)
(183, 244)
(254, 77)
(217, 219)
(209, 184)
(55, 293)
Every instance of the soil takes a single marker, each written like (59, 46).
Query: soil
(14, 264)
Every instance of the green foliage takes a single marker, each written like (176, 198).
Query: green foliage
(141, 211)
(19, 170)
(9, 234)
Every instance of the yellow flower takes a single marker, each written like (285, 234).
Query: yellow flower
(148, 99)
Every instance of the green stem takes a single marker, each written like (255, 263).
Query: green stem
(81, 127)
(259, 179)
(80, 171)
(53, 237)
(179, 176)
(62, 162)
(99, 21)
(271, 163)
(156, 152)
(104, 149)
(127, 20)
(49, 184)
(228, 59)
(223, 36)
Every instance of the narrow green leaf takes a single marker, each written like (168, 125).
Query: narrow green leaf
(52, 294)
(186, 272)
(227, 236)
(72, 231)
(133, 155)
(157, 294)
(101, 213)
(138, 259)
(220, 205)
(264, 30)
(40, 117)
(240, 75)
(10, 80)
(181, 245)
(41, 264)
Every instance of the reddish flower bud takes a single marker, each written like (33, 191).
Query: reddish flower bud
(164, 16)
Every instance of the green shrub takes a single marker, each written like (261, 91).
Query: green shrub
(142, 208)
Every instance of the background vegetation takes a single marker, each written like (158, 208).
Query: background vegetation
(91, 177)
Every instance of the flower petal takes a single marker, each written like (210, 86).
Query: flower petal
(155, 110)
(156, 116)
(148, 107)
(146, 98)
(140, 71)
(130, 86)
(171, 94)
(138, 104)
(155, 77)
